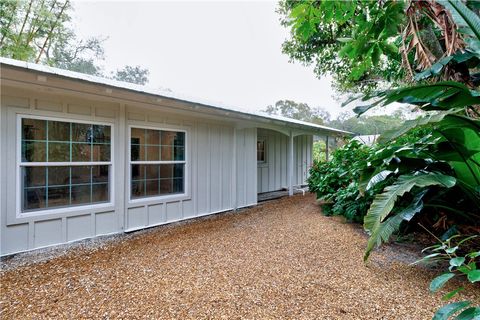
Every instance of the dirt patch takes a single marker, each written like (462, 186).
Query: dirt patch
(281, 259)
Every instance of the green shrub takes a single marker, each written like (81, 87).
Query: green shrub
(335, 182)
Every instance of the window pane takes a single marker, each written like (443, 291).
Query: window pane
(81, 152)
(80, 194)
(180, 139)
(81, 174)
(82, 132)
(179, 153)
(58, 152)
(67, 185)
(137, 136)
(34, 152)
(100, 193)
(34, 199)
(153, 137)
(153, 153)
(58, 176)
(58, 131)
(138, 172)
(178, 170)
(101, 152)
(178, 185)
(168, 137)
(34, 129)
(166, 186)
(58, 196)
(101, 134)
(138, 152)
(152, 171)
(138, 190)
(152, 187)
(167, 153)
(100, 174)
(166, 171)
(34, 176)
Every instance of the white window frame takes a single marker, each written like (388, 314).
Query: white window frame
(186, 169)
(67, 209)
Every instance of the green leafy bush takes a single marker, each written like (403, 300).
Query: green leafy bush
(459, 264)
(335, 181)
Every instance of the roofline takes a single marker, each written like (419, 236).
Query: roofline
(161, 94)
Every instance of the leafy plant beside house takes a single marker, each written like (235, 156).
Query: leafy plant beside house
(459, 263)
(335, 181)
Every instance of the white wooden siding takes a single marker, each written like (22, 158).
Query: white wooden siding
(272, 174)
(215, 183)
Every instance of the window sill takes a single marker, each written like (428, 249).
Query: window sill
(159, 199)
(62, 212)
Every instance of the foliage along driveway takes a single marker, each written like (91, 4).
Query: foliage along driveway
(282, 259)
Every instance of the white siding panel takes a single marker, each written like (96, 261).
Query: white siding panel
(174, 211)
(105, 223)
(215, 180)
(203, 168)
(15, 238)
(137, 217)
(47, 232)
(188, 210)
(79, 227)
(246, 167)
(156, 214)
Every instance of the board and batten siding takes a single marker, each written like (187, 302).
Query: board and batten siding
(273, 173)
(221, 170)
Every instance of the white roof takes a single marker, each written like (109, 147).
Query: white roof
(160, 93)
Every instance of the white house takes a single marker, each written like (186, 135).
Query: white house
(83, 156)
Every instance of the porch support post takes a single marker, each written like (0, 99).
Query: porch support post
(327, 151)
(290, 164)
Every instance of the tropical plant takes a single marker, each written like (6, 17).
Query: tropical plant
(448, 155)
(460, 264)
(335, 182)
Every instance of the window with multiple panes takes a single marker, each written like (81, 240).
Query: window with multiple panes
(157, 162)
(64, 164)
(261, 150)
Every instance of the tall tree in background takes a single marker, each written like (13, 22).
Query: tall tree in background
(137, 75)
(298, 111)
(38, 31)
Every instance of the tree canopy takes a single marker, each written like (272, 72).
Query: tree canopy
(367, 44)
(40, 32)
(364, 125)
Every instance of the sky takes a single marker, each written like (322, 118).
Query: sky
(227, 52)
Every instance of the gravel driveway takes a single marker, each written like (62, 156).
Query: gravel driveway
(281, 259)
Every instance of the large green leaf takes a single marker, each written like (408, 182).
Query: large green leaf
(440, 281)
(446, 311)
(472, 313)
(383, 203)
(429, 118)
(463, 16)
(385, 229)
(444, 95)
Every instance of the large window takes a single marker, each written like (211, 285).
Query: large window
(64, 164)
(157, 162)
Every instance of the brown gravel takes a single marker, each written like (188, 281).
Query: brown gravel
(281, 259)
